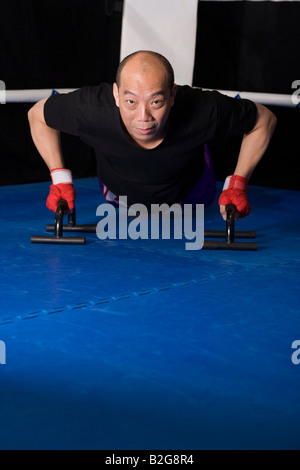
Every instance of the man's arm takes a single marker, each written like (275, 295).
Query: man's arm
(47, 142)
(46, 139)
(253, 146)
(255, 143)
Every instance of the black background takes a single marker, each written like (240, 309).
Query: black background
(245, 46)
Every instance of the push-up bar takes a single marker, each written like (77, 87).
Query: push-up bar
(230, 234)
(58, 228)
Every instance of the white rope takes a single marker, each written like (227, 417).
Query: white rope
(268, 99)
(32, 96)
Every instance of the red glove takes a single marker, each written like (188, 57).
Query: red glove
(61, 188)
(235, 192)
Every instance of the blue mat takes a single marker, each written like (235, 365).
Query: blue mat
(123, 344)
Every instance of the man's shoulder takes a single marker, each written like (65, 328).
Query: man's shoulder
(188, 95)
(96, 94)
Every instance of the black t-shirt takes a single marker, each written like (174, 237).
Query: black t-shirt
(166, 173)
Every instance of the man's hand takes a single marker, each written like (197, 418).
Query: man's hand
(61, 188)
(235, 192)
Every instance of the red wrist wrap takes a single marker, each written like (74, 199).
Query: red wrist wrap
(235, 192)
(61, 188)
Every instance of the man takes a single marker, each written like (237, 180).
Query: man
(149, 135)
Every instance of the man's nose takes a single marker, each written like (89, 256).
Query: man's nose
(144, 113)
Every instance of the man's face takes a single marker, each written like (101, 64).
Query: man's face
(144, 100)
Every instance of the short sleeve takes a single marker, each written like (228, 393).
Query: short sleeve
(234, 116)
(60, 112)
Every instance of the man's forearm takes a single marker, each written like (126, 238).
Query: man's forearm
(255, 143)
(46, 139)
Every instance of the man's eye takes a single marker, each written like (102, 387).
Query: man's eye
(130, 101)
(158, 102)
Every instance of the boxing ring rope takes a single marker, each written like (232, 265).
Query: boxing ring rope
(32, 96)
(267, 99)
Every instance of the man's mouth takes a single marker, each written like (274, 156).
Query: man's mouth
(145, 130)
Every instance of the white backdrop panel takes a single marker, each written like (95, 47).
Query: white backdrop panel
(165, 26)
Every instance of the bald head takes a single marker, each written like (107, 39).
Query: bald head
(145, 92)
(142, 62)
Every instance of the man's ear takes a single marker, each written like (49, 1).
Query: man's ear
(174, 92)
(116, 94)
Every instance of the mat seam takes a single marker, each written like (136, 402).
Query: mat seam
(129, 295)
